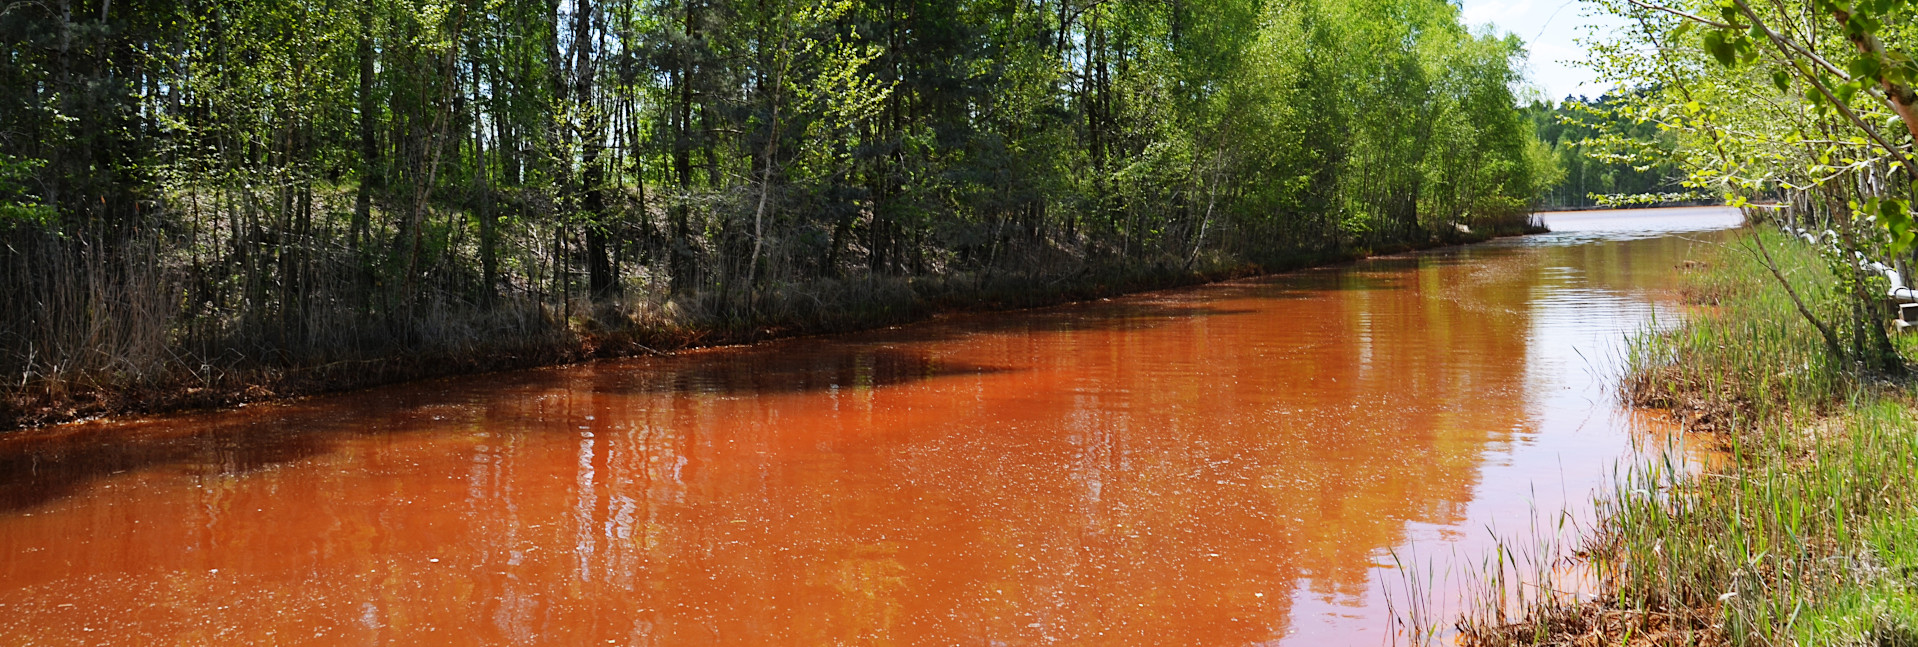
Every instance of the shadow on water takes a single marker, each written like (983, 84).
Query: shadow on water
(794, 368)
(1384, 273)
(38, 467)
(1138, 312)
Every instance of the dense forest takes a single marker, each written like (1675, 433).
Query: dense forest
(198, 193)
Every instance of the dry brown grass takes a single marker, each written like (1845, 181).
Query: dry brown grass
(1604, 624)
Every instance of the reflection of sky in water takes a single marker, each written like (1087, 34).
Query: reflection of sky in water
(1229, 464)
(1573, 227)
(1602, 275)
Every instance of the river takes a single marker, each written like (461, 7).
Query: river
(1247, 462)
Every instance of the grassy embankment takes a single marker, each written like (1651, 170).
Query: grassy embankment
(525, 335)
(1804, 532)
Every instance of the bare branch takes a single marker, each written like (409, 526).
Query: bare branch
(1688, 16)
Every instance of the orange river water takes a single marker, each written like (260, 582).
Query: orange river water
(1251, 462)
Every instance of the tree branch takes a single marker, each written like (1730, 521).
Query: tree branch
(1692, 17)
(1836, 349)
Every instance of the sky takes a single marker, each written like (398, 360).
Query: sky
(1551, 30)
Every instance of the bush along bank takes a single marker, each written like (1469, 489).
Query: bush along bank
(1804, 529)
(510, 336)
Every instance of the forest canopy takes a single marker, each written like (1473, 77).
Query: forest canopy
(187, 185)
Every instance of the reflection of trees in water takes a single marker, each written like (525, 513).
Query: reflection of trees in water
(1177, 499)
(1166, 469)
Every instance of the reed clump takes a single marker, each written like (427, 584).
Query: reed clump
(1744, 354)
(1803, 530)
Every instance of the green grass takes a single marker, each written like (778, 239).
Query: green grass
(1744, 354)
(1804, 529)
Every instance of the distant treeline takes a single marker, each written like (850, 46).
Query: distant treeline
(194, 187)
(1608, 156)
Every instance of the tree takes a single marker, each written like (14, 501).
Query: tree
(1760, 109)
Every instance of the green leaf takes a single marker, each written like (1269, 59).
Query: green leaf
(1865, 67)
(16, 207)
(1778, 78)
(1855, 26)
(1719, 49)
(1846, 91)
(1895, 215)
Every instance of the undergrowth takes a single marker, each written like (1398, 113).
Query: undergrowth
(231, 369)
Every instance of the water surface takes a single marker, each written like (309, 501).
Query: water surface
(1233, 464)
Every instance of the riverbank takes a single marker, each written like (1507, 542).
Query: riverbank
(1804, 531)
(1222, 464)
(540, 335)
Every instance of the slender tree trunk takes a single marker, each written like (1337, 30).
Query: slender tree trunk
(682, 243)
(369, 147)
(485, 204)
(601, 282)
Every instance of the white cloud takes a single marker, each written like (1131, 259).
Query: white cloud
(1552, 29)
(1478, 13)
